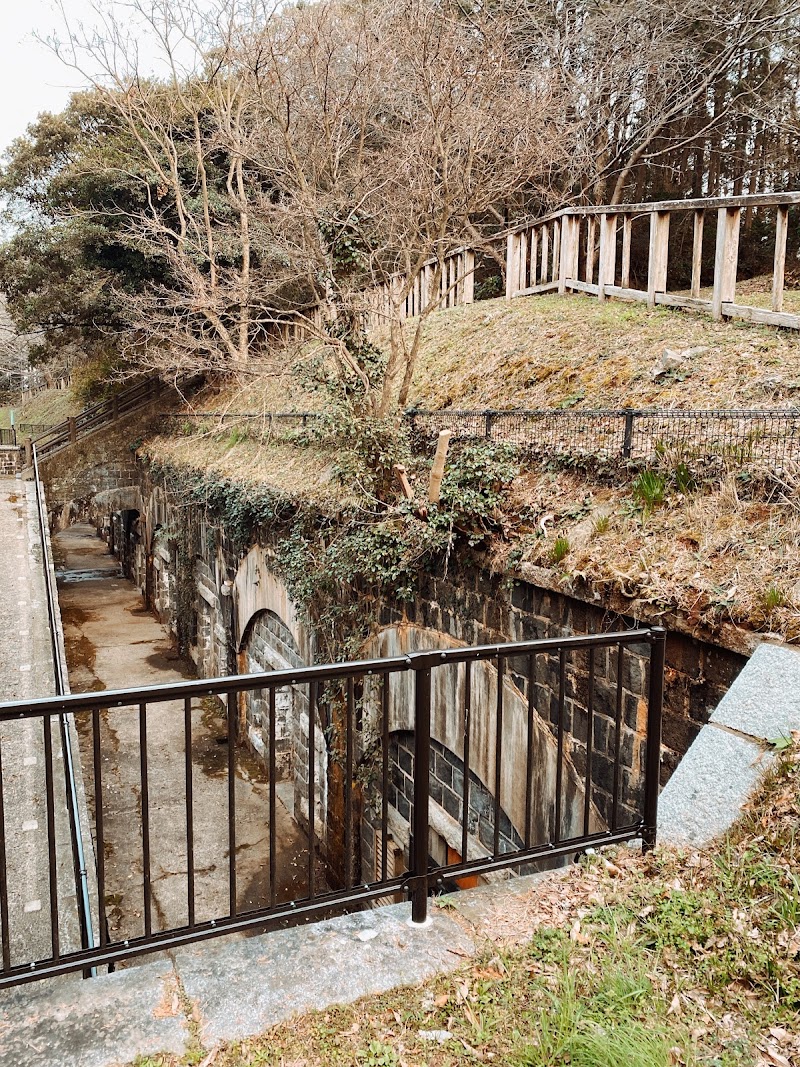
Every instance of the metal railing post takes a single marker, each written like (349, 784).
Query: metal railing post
(422, 757)
(655, 707)
(627, 440)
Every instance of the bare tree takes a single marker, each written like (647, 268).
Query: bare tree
(302, 156)
(393, 129)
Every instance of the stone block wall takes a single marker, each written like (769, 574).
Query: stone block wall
(9, 461)
(476, 608)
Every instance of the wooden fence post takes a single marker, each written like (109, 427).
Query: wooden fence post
(545, 253)
(512, 264)
(568, 260)
(608, 254)
(697, 252)
(534, 255)
(556, 250)
(627, 227)
(591, 233)
(779, 268)
(469, 276)
(726, 259)
(659, 252)
(73, 433)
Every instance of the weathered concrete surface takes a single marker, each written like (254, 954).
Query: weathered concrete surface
(717, 776)
(236, 987)
(765, 699)
(27, 672)
(288, 972)
(114, 642)
(95, 1023)
(705, 795)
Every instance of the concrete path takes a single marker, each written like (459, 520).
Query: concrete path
(27, 672)
(114, 642)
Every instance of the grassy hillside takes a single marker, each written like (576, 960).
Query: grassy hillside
(44, 409)
(574, 351)
(722, 551)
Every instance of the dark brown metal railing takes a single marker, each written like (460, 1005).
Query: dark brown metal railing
(346, 701)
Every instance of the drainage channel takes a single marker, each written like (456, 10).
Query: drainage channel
(113, 642)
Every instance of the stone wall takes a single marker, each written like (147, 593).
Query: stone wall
(104, 461)
(9, 461)
(476, 608)
(232, 612)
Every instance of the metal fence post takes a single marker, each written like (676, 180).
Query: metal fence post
(655, 706)
(628, 435)
(422, 757)
(489, 420)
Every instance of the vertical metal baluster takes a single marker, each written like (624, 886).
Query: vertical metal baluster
(312, 714)
(498, 753)
(587, 796)
(51, 834)
(273, 830)
(232, 802)
(385, 778)
(188, 774)
(97, 771)
(145, 797)
(467, 732)
(562, 684)
(617, 740)
(529, 758)
(348, 785)
(6, 932)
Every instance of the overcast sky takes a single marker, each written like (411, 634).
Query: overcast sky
(32, 79)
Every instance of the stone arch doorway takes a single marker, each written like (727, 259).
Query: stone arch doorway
(268, 644)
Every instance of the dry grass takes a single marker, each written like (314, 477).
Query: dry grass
(715, 555)
(304, 473)
(550, 351)
(47, 408)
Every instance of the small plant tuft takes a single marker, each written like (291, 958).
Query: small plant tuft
(559, 550)
(773, 597)
(648, 490)
(601, 525)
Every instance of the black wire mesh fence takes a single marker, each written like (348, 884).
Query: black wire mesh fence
(760, 438)
(769, 439)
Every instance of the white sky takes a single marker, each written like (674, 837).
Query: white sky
(32, 79)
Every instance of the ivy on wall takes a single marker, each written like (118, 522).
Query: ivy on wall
(335, 565)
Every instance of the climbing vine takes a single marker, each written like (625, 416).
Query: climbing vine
(335, 565)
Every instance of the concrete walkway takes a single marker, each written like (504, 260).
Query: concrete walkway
(236, 987)
(113, 642)
(27, 672)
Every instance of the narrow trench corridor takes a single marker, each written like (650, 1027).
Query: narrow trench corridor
(114, 642)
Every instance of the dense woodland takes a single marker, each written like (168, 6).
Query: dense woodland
(290, 155)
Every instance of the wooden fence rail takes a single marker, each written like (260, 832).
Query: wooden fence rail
(588, 250)
(395, 297)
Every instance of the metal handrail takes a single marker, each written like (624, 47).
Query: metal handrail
(60, 675)
(330, 685)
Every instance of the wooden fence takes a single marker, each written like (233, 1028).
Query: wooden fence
(588, 250)
(445, 283)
